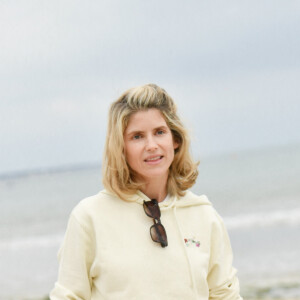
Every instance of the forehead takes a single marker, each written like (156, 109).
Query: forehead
(144, 119)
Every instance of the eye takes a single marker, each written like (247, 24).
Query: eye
(160, 132)
(136, 137)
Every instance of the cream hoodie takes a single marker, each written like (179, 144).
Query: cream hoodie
(108, 253)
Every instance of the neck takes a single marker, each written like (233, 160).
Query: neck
(156, 188)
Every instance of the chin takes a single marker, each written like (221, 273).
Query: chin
(155, 175)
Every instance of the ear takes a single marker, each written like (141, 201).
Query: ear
(176, 140)
(175, 145)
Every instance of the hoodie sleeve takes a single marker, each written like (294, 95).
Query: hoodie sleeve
(222, 281)
(75, 260)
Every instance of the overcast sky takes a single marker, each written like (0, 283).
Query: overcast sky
(233, 68)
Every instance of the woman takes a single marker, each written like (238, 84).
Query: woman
(108, 253)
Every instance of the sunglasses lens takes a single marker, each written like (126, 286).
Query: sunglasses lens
(152, 209)
(158, 234)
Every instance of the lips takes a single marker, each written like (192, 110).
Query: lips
(153, 158)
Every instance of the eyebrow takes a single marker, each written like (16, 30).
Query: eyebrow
(141, 131)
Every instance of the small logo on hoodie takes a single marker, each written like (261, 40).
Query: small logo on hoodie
(192, 242)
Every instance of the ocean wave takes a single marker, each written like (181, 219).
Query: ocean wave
(289, 217)
(32, 242)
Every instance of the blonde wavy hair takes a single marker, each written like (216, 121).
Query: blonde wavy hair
(117, 175)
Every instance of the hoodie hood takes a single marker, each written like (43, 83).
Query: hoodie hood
(189, 199)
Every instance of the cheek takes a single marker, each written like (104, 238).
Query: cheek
(131, 155)
(129, 151)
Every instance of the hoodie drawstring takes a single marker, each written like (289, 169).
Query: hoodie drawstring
(185, 252)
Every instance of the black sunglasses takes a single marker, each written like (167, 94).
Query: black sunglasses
(157, 231)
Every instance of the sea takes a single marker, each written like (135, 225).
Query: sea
(257, 193)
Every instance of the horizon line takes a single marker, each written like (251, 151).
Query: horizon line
(97, 164)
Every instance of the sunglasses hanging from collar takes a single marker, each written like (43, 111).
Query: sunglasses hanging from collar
(157, 230)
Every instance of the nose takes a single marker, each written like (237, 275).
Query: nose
(151, 144)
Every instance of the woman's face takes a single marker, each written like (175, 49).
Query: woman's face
(149, 145)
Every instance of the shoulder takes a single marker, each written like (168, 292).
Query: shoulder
(201, 205)
(192, 198)
(95, 200)
(93, 207)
